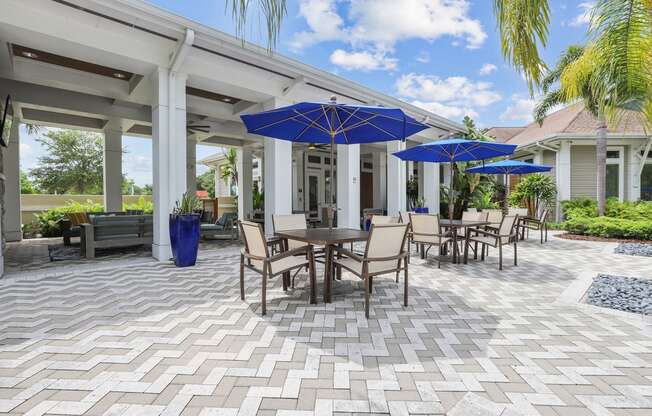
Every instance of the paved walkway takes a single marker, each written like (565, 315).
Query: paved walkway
(145, 338)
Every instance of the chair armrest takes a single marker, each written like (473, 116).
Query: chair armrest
(252, 257)
(290, 253)
(348, 253)
(398, 257)
(486, 233)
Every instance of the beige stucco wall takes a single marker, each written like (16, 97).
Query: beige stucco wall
(36, 203)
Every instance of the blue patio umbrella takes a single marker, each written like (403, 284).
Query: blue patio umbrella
(455, 150)
(509, 167)
(333, 123)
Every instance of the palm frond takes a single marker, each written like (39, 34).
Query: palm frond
(273, 12)
(549, 101)
(523, 26)
(568, 56)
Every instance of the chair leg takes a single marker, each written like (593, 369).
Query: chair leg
(366, 295)
(371, 284)
(242, 291)
(264, 292)
(312, 278)
(515, 254)
(500, 256)
(466, 251)
(475, 250)
(405, 283)
(482, 253)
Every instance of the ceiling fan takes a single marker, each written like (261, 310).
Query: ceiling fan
(317, 146)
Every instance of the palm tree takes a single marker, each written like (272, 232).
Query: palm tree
(229, 171)
(613, 71)
(273, 12)
(585, 87)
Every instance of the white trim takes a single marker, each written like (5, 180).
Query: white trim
(620, 161)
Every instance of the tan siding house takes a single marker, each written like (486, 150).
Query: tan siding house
(566, 141)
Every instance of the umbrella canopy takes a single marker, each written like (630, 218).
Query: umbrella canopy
(509, 167)
(333, 123)
(455, 150)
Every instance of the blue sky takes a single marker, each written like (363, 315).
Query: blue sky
(443, 55)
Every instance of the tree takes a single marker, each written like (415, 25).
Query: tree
(229, 171)
(273, 12)
(613, 69)
(206, 182)
(26, 185)
(73, 162)
(585, 88)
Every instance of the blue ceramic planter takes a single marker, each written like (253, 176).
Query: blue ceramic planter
(184, 238)
(421, 210)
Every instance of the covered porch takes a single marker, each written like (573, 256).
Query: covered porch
(180, 84)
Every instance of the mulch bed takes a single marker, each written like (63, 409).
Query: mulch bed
(567, 236)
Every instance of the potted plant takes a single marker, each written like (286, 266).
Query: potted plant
(420, 206)
(184, 230)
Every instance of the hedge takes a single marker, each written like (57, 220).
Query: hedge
(610, 227)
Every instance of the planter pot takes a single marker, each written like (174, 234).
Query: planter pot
(421, 210)
(184, 238)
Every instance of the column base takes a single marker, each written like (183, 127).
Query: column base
(161, 252)
(13, 236)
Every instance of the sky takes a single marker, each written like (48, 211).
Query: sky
(442, 55)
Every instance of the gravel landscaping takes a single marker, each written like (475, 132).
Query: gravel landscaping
(634, 249)
(628, 294)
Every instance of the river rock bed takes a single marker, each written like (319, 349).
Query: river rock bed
(634, 249)
(623, 293)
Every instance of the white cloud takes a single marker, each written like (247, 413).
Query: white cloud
(584, 18)
(487, 69)
(520, 109)
(450, 97)
(375, 26)
(365, 61)
(423, 57)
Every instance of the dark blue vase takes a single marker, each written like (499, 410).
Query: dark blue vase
(184, 238)
(423, 210)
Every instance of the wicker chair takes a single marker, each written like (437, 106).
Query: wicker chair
(426, 231)
(384, 253)
(506, 234)
(255, 256)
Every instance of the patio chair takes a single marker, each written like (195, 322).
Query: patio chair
(494, 217)
(255, 256)
(506, 234)
(470, 216)
(71, 225)
(294, 222)
(537, 224)
(224, 226)
(426, 231)
(521, 212)
(385, 253)
(384, 219)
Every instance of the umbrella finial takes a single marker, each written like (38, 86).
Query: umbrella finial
(333, 99)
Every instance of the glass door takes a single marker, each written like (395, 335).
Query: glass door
(315, 193)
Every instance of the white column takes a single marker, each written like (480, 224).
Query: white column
(563, 169)
(169, 153)
(431, 186)
(635, 161)
(245, 183)
(396, 182)
(420, 182)
(113, 166)
(277, 174)
(380, 179)
(12, 184)
(348, 186)
(191, 163)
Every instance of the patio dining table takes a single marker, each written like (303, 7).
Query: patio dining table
(454, 226)
(328, 239)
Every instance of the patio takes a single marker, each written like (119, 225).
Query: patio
(135, 336)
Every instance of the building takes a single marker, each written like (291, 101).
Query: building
(128, 67)
(566, 141)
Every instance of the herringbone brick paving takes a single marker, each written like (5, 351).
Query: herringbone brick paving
(146, 338)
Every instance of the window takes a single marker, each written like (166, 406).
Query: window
(314, 159)
(646, 182)
(615, 173)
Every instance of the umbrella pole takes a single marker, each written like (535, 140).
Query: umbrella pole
(451, 202)
(331, 204)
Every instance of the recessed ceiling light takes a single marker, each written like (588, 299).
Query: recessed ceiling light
(119, 75)
(28, 54)
(226, 99)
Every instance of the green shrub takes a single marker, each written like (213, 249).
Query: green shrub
(582, 207)
(49, 222)
(610, 227)
(142, 204)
